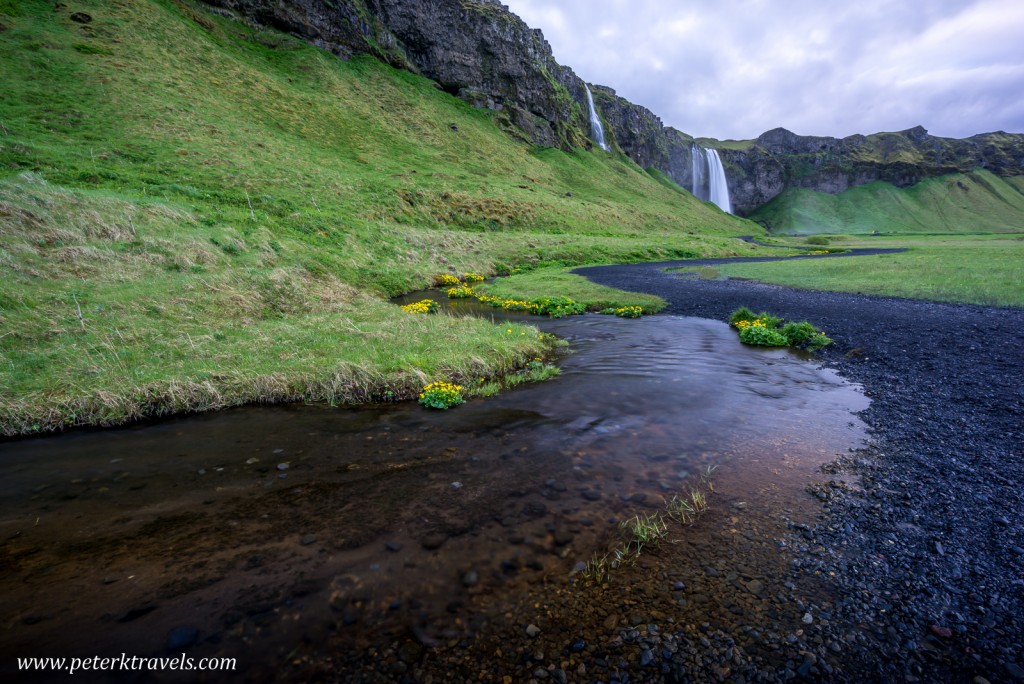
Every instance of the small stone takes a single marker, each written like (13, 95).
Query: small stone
(755, 587)
(939, 549)
(434, 541)
(456, 486)
(591, 495)
(308, 539)
(393, 546)
(410, 652)
(540, 673)
(532, 630)
(943, 632)
(678, 586)
(470, 579)
(251, 461)
(182, 638)
(282, 466)
(808, 618)
(646, 658)
(563, 537)
(1015, 671)
(577, 645)
(278, 451)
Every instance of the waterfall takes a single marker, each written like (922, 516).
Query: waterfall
(719, 193)
(596, 129)
(697, 164)
(711, 186)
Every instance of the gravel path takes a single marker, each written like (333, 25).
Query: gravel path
(928, 556)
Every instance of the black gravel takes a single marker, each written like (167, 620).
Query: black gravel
(928, 556)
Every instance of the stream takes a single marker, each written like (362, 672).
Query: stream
(383, 537)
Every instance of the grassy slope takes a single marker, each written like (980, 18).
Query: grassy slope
(194, 213)
(977, 202)
(976, 269)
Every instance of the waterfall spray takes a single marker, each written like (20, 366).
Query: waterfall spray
(596, 129)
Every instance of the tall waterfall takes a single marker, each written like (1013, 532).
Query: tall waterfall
(711, 185)
(596, 129)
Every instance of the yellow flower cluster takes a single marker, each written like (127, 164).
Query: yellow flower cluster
(630, 311)
(441, 395)
(517, 305)
(489, 299)
(473, 278)
(423, 306)
(460, 292)
(447, 279)
(756, 323)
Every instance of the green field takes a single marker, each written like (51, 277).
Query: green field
(195, 213)
(978, 269)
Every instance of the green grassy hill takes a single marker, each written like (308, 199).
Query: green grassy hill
(195, 213)
(976, 202)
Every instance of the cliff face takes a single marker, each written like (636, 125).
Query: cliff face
(475, 49)
(780, 159)
(484, 54)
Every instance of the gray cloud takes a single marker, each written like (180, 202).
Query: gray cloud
(735, 68)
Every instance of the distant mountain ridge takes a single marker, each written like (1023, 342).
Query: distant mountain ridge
(486, 55)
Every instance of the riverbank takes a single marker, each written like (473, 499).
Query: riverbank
(925, 561)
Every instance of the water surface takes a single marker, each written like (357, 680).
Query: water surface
(269, 532)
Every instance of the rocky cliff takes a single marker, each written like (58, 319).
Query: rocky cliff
(481, 52)
(475, 49)
(760, 169)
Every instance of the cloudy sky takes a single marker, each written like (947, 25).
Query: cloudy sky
(736, 68)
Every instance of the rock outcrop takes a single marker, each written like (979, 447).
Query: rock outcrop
(475, 49)
(760, 169)
(481, 52)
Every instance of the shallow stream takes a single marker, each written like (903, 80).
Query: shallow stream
(273, 533)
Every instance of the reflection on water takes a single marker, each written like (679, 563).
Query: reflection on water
(286, 527)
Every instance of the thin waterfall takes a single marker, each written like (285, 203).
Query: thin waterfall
(596, 129)
(697, 165)
(709, 182)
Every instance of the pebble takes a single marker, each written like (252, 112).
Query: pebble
(282, 466)
(470, 579)
(434, 541)
(393, 546)
(808, 618)
(456, 486)
(563, 537)
(532, 630)
(308, 539)
(182, 638)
